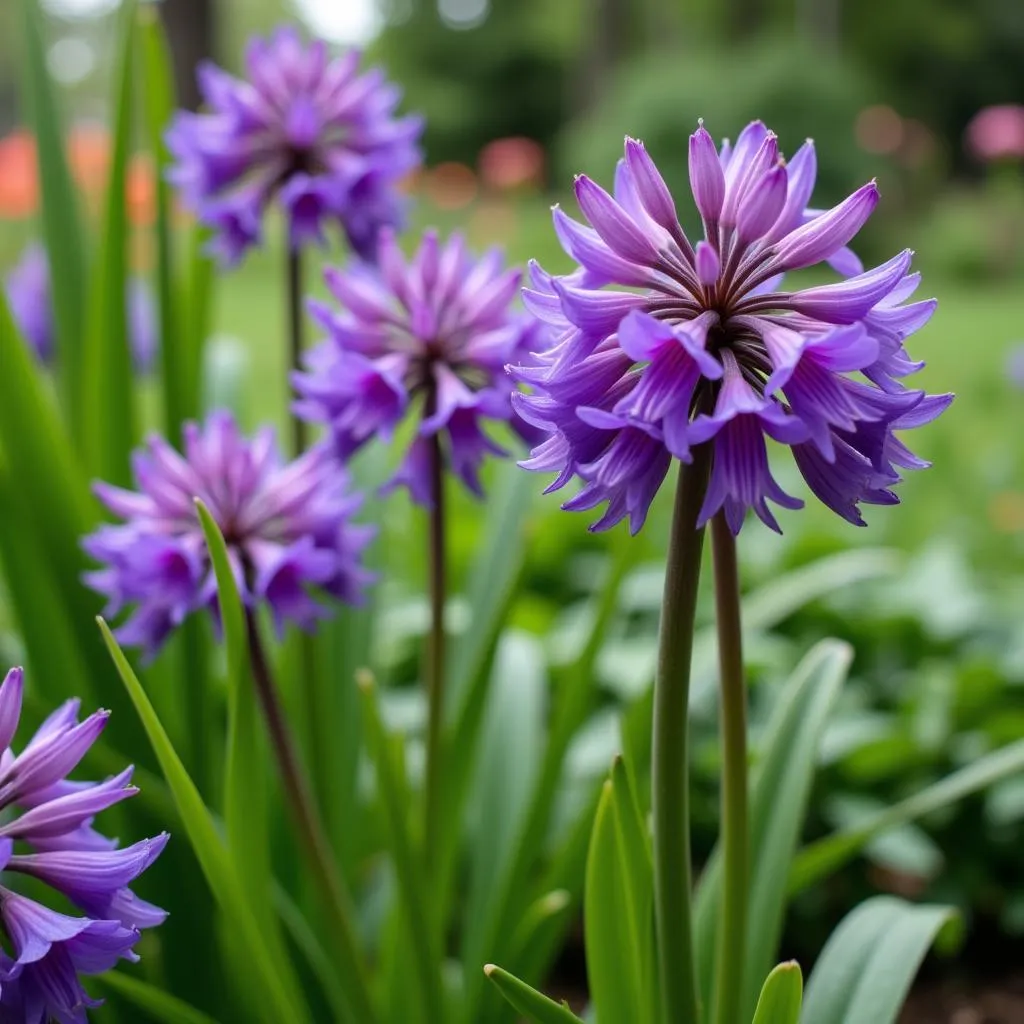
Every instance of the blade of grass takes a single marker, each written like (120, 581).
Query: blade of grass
(157, 1003)
(106, 404)
(281, 991)
(62, 229)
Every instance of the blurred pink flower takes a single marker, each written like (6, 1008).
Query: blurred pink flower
(995, 133)
(511, 163)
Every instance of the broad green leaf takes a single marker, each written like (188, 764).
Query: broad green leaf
(529, 1001)
(282, 998)
(617, 911)
(781, 996)
(508, 759)
(824, 857)
(61, 226)
(779, 794)
(412, 886)
(868, 964)
(106, 405)
(157, 1003)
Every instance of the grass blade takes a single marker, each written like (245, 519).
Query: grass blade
(824, 857)
(282, 999)
(155, 1001)
(106, 406)
(411, 885)
(62, 229)
(781, 996)
(529, 1001)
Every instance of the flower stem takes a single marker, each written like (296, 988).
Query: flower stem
(732, 929)
(311, 704)
(294, 274)
(669, 767)
(435, 656)
(312, 836)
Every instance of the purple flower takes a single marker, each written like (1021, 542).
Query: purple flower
(313, 133)
(287, 527)
(433, 334)
(51, 819)
(705, 347)
(31, 304)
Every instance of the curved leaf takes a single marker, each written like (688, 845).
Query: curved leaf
(868, 964)
(779, 1002)
(529, 1001)
(155, 1001)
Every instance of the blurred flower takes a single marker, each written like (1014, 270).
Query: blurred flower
(287, 527)
(450, 186)
(512, 163)
(58, 846)
(28, 295)
(707, 349)
(437, 331)
(311, 132)
(995, 133)
(879, 129)
(19, 179)
(1015, 364)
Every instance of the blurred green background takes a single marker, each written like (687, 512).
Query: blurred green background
(521, 94)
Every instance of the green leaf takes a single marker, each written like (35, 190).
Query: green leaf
(495, 570)
(779, 794)
(155, 1001)
(176, 355)
(781, 996)
(507, 764)
(106, 406)
(61, 226)
(868, 964)
(618, 909)
(412, 886)
(529, 1001)
(246, 783)
(512, 888)
(825, 856)
(281, 994)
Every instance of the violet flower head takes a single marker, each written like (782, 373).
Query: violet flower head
(431, 334)
(311, 132)
(707, 348)
(287, 526)
(31, 303)
(50, 818)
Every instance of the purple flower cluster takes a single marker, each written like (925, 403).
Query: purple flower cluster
(50, 818)
(312, 132)
(287, 527)
(31, 304)
(436, 332)
(706, 348)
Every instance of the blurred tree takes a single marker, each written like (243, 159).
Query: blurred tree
(191, 29)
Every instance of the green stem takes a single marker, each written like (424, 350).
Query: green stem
(669, 765)
(732, 929)
(294, 275)
(311, 707)
(337, 902)
(435, 659)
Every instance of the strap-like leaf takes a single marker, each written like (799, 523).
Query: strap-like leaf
(282, 998)
(867, 966)
(781, 996)
(529, 1001)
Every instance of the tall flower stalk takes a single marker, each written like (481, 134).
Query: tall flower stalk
(696, 353)
(732, 931)
(670, 789)
(428, 336)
